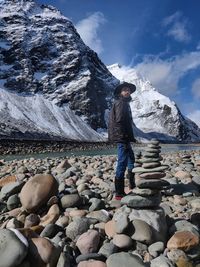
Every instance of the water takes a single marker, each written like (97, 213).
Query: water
(166, 148)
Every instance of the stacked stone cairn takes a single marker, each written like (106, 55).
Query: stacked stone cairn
(138, 162)
(186, 161)
(146, 197)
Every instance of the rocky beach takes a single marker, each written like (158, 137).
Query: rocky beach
(60, 212)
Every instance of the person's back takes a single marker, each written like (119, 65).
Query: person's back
(120, 122)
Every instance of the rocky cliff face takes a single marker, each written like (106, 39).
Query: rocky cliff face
(42, 54)
(154, 114)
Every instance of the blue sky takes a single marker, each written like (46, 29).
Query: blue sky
(160, 38)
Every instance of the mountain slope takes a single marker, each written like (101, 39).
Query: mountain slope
(42, 53)
(34, 116)
(154, 114)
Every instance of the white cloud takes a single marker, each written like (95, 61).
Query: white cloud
(174, 17)
(179, 32)
(198, 46)
(88, 30)
(195, 116)
(177, 27)
(166, 74)
(196, 88)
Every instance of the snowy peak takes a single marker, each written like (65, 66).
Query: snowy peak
(154, 114)
(128, 74)
(42, 53)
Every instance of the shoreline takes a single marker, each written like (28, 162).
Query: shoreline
(19, 147)
(23, 147)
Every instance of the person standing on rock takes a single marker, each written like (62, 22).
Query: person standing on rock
(120, 130)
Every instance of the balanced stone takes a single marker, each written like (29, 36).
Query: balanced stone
(151, 165)
(154, 146)
(157, 169)
(152, 175)
(135, 201)
(149, 160)
(151, 183)
(154, 142)
(144, 191)
(151, 155)
(152, 150)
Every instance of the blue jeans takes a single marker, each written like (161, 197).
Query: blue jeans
(126, 158)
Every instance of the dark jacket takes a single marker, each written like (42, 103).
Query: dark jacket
(120, 122)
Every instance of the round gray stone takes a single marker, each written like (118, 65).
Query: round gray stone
(13, 248)
(161, 261)
(70, 201)
(155, 218)
(77, 227)
(13, 202)
(90, 256)
(156, 247)
(124, 259)
(142, 232)
(121, 223)
(108, 249)
(122, 241)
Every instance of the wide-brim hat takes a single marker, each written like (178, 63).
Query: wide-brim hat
(119, 88)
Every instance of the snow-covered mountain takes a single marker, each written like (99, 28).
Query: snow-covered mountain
(51, 84)
(154, 114)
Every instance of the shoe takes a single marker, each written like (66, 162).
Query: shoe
(119, 189)
(131, 178)
(117, 197)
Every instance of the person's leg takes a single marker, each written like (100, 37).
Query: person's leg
(131, 161)
(121, 167)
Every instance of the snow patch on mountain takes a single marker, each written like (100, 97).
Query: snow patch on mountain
(34, 113)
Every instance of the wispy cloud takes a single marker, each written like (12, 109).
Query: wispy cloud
(165, 74)
(196, 88)
(88, 30)
(198, 46)
(177, 27)
(195, 116)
